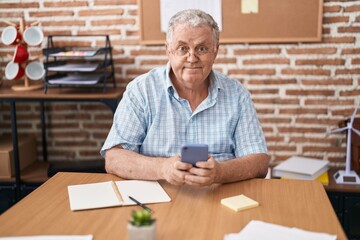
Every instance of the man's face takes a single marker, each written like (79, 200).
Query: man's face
(192, 53)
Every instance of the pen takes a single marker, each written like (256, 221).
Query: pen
(140, 204)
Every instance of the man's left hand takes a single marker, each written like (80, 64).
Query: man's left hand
(203, 174)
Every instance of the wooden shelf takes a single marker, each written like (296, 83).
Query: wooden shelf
(36, 172)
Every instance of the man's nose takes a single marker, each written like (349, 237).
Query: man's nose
(192, 55)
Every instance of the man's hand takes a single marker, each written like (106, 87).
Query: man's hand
(174, 171)
(203, 174)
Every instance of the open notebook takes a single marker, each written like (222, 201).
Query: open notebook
(112, 194)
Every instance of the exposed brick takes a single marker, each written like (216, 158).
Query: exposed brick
(320, 62)
(64, 134)
(322, 121)
(96, 126)
(326, 30)
(76, 144)
(350, 51)
(354, 93)
(220, 60)
(270, 139)
(282, 148)
(115, 2)
(354, 8)
(272, 81)
(99, 12)
(264, 91)
(73, 116)
(57, 32)
(328, 20)
(257, 71)
(266, 61)
(312, 140)
(89, 153)
(129, 33)
(304, 72)
(18, 5)
(327, 82)
(279, 101)
(62, 23)
(301, 130)
(349, 29)
(124, 42)
(124, 60)
(322, 149)
(299, 111)
(355, 61)
(157, 62)
(274, 120)
(328, 102)
(256, 51)
(65, 4)
(136, 71)
(347, 71)
(99, 32)
(344, 112)
(4, 15)
(112, 22)
(267, 129)
(339, 40)
(264, 110)
(66, 125)
(51, 13)
(299, 92)
(331, 9)
(148, 52)
(308, 51)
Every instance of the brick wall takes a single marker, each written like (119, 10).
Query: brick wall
(301, 90)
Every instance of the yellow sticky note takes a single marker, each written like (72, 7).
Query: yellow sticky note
(250, 6)
(240, 202)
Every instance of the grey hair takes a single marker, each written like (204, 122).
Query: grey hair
(193, 18)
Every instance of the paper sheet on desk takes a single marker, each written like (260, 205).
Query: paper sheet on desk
(50, 237)
(258, 230)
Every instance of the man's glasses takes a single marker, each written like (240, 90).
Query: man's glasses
(183, 52)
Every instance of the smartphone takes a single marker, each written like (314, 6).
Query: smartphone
(193, 153)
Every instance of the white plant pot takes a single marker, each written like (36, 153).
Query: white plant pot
(142, 233)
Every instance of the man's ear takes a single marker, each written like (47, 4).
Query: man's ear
(167, 48)
(216, 49)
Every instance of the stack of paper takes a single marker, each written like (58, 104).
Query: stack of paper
(301, 168)
(258, 230)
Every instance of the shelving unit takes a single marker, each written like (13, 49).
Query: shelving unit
(24, 181)
(78, 66)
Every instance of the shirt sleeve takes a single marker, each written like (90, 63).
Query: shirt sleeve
(249, 137)
(129, 126)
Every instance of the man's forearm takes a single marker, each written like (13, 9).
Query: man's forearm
(251, 166)
(131, 165)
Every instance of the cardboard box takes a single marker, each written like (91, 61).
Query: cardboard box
(27, 154)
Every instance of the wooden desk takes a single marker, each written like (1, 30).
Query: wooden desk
(110, 97)
(193, 213)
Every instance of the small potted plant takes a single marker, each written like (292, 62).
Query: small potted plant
(141, 226)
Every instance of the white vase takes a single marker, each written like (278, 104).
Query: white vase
(141, 233)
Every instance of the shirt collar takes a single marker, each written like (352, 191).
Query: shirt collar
(214, 87)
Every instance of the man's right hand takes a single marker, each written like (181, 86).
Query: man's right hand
(174, 171)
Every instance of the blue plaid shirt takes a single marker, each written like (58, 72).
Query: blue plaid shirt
(153, 120)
